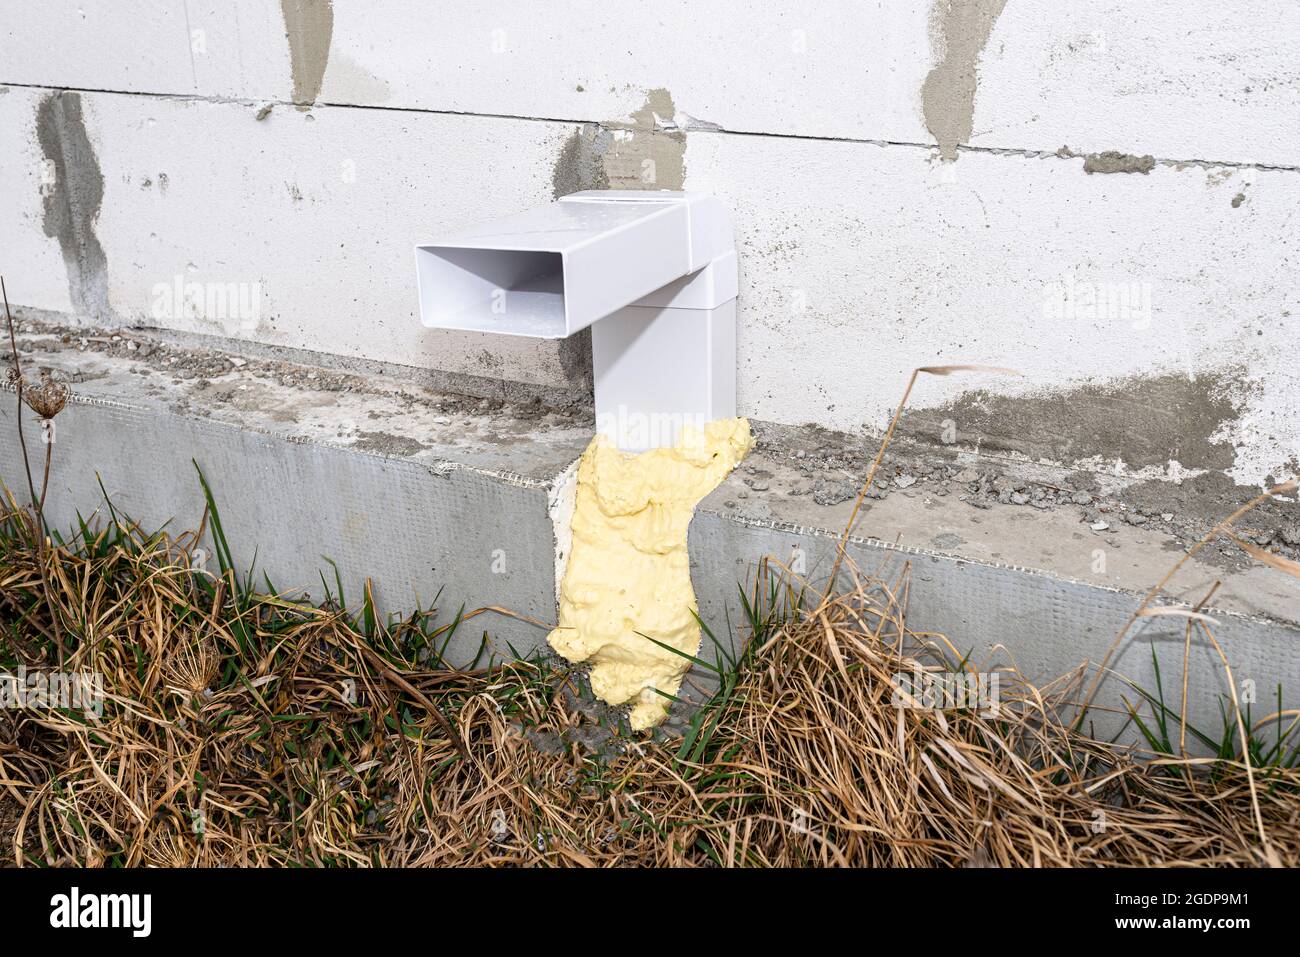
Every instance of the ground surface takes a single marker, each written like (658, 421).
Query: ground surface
(243, 729)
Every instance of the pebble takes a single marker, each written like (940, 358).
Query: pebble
(1099, 526)
(905, 481)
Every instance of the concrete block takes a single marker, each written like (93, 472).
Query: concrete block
(428, 496)
(873, 262)
(1213, 84)
(296, 230)
(1042, 625)
(1035, 587)
(35, 271)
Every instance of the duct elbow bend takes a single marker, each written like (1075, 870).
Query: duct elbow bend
(652, 272)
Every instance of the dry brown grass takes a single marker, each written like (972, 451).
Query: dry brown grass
(229, 737)
(874, 784)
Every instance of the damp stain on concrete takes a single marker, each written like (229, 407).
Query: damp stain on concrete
(1141, 421)
(575, 362)
(309, 26)
(580, 164)
(646, 151)
(71, 200)
(1112, 161)
(959, 29)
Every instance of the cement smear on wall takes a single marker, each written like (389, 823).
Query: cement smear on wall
(71, 194)
(309, 27)
(1141, 422)
(647, 151)
(959, 29)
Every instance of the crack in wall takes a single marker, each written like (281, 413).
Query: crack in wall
(702, 128)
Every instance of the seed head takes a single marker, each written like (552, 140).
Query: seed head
(47, 399)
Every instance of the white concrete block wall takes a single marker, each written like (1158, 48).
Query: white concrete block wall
(32, 261)
(893, 168)
(312, 214)
(848, 290)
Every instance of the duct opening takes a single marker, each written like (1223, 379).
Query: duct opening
(506, 291)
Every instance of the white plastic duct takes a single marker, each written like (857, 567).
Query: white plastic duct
(653, 273)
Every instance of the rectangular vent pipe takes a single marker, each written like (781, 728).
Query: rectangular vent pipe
(652, 272)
